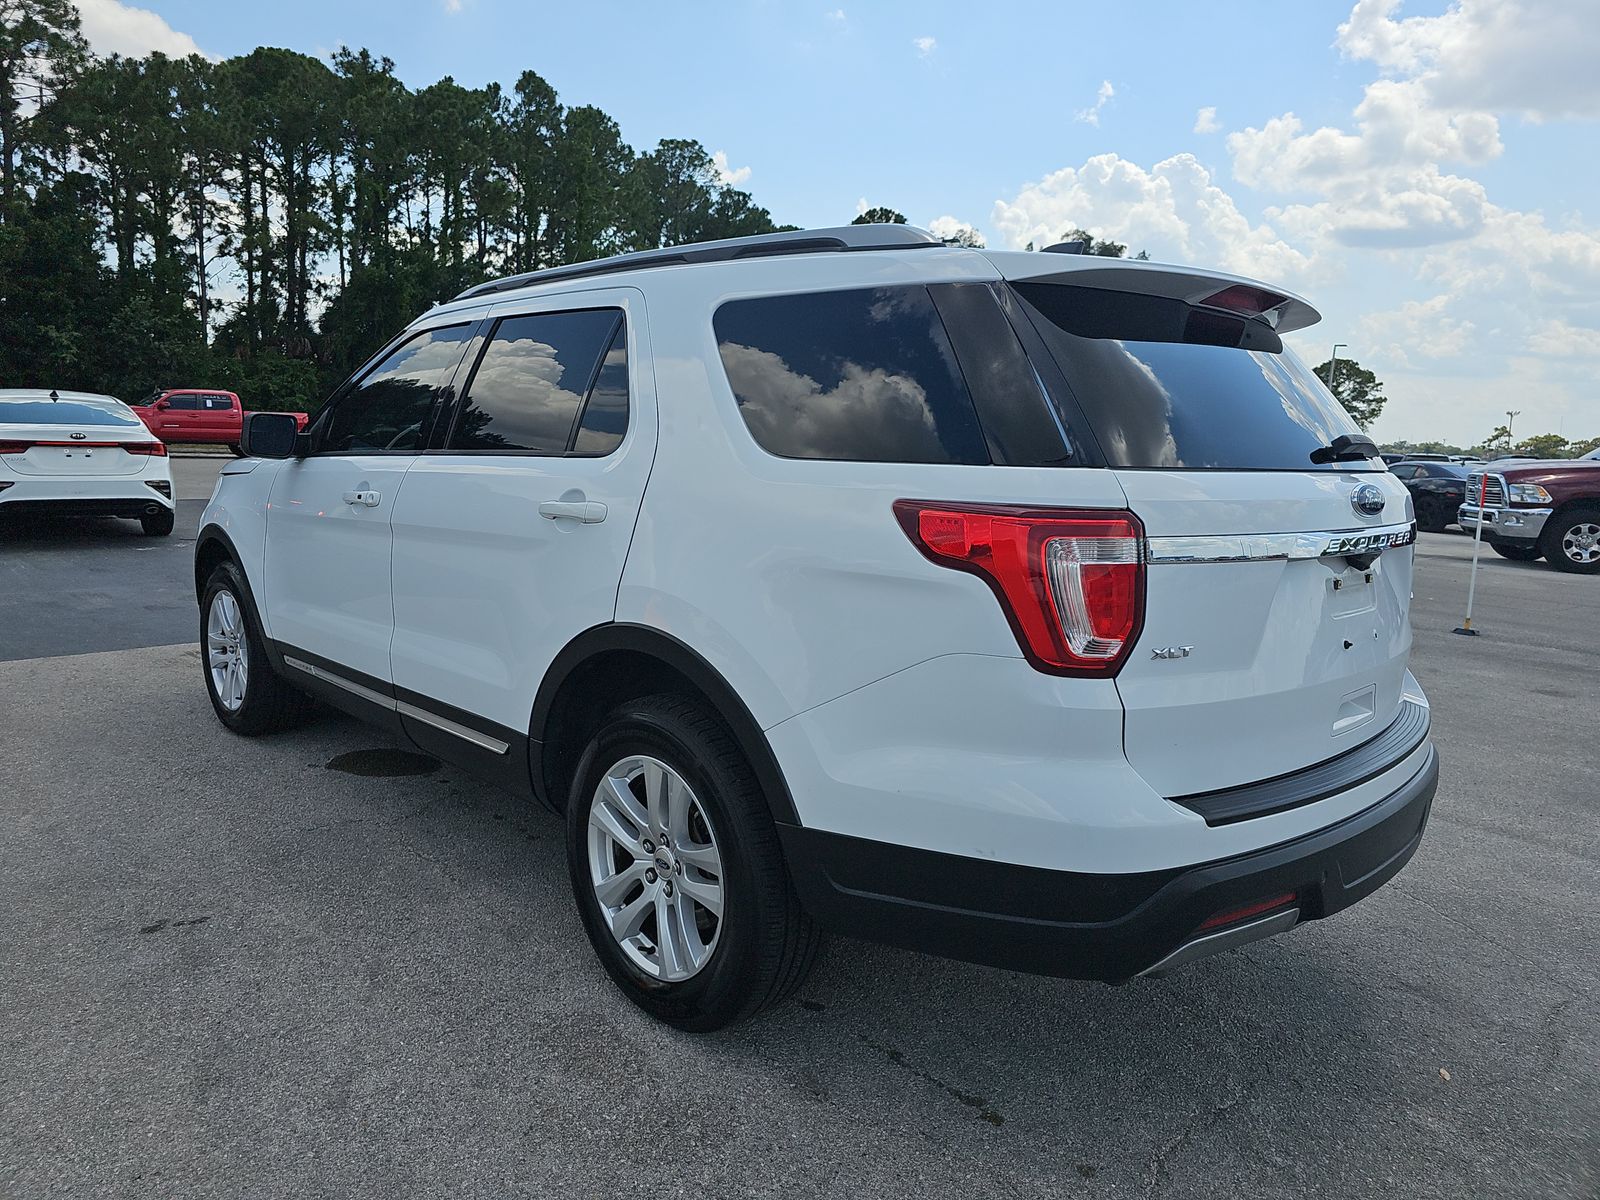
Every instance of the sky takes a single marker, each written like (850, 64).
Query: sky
(1425, 172)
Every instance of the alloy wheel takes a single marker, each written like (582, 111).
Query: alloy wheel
(1581, 543)
(227, 651)
(655, 868)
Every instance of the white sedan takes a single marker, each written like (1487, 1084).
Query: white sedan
(82, 454)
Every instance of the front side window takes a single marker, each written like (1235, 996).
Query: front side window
(386, 410)
(533, 379)
(865, 376)
(184, 403)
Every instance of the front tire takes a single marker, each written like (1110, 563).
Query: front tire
(1515, 553)
(157, 524)
(247, 694)
(677, 869)
(1572, 543)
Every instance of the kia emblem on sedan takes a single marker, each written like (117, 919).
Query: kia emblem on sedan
(79, 437)
(1367, 500)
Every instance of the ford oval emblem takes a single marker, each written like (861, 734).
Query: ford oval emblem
(1367, 500)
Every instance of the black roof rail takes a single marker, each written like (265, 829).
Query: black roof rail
(795, 241)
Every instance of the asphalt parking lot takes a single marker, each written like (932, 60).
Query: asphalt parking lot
(257, 968)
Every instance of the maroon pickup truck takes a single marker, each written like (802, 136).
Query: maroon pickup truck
(1539, 509)
(202, 415)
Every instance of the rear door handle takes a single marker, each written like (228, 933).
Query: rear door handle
(590, 512)
(370, 499)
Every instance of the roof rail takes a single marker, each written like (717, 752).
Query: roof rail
(795, 241)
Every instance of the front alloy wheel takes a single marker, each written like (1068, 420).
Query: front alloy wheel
(655, 867)
(227, 650)
(1572, 541)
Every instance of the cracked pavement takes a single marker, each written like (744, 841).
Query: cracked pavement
(231, 968)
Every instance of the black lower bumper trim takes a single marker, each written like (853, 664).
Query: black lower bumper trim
(1089, 926)
(129, 507)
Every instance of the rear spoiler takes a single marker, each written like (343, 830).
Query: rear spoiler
(1283, 311)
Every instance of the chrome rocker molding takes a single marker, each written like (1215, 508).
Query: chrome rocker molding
(1226, 939)
(493, 745)
(1266, 547)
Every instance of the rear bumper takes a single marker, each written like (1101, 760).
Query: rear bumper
(120, 496)
(1091, 926)
(1505, 524)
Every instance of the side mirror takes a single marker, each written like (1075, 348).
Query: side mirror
(269, 435)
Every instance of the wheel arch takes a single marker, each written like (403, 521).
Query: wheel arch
(609, 664)
(212, 548)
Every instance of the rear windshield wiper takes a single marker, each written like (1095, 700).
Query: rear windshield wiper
(1346, 447)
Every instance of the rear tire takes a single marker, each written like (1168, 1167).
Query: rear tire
(1572, 543)
(760, 946)
(158, 524)
(249, 697)
(1515, 553)
(238, 450)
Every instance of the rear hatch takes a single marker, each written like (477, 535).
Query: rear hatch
(1276, 627)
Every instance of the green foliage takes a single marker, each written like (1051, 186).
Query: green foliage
(1542, 445)
(265, 223)
(1405, 447)
(880, 216)
(1356, 388)
(1583, 446)
(1093, 245)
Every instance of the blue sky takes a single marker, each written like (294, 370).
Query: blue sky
(1423, 171)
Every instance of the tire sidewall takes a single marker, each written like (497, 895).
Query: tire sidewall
(712, 996)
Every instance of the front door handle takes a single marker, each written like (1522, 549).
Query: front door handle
(370, 499)
(590, 512)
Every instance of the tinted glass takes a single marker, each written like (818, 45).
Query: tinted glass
(1166, 385)
(1404, 471)
(865, 375)
(605, 417)
(531, 381)
(1444, 471)
(184, 403)
(387, 409)
(219, 402)
(61, 412)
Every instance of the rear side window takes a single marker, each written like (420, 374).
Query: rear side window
(1165, 384)
(867, 375)
(533, 380)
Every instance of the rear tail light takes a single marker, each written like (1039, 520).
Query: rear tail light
(15, 447)
(154, 449)
(1070, 582)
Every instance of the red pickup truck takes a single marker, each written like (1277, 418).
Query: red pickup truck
(197, 415)
(1539, 509)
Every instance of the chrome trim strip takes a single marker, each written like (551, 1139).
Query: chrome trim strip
(493, 745)
(1226, 939)
(1267, 547)
(339, 681)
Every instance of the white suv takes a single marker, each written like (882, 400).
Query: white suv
(1034, 609)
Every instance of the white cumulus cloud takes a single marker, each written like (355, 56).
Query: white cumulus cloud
(925, 45)
(1102, 97)
(1205, 121)
(111, 27)
(726, 175)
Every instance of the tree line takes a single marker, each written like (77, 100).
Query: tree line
(263, 223)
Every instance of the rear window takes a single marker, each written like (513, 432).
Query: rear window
(1163, 384)
(61, 412)
(866, 375)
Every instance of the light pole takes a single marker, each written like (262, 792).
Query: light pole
(1333, 362)
(1511, 415)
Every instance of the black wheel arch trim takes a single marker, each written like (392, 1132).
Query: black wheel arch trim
(689, 663)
